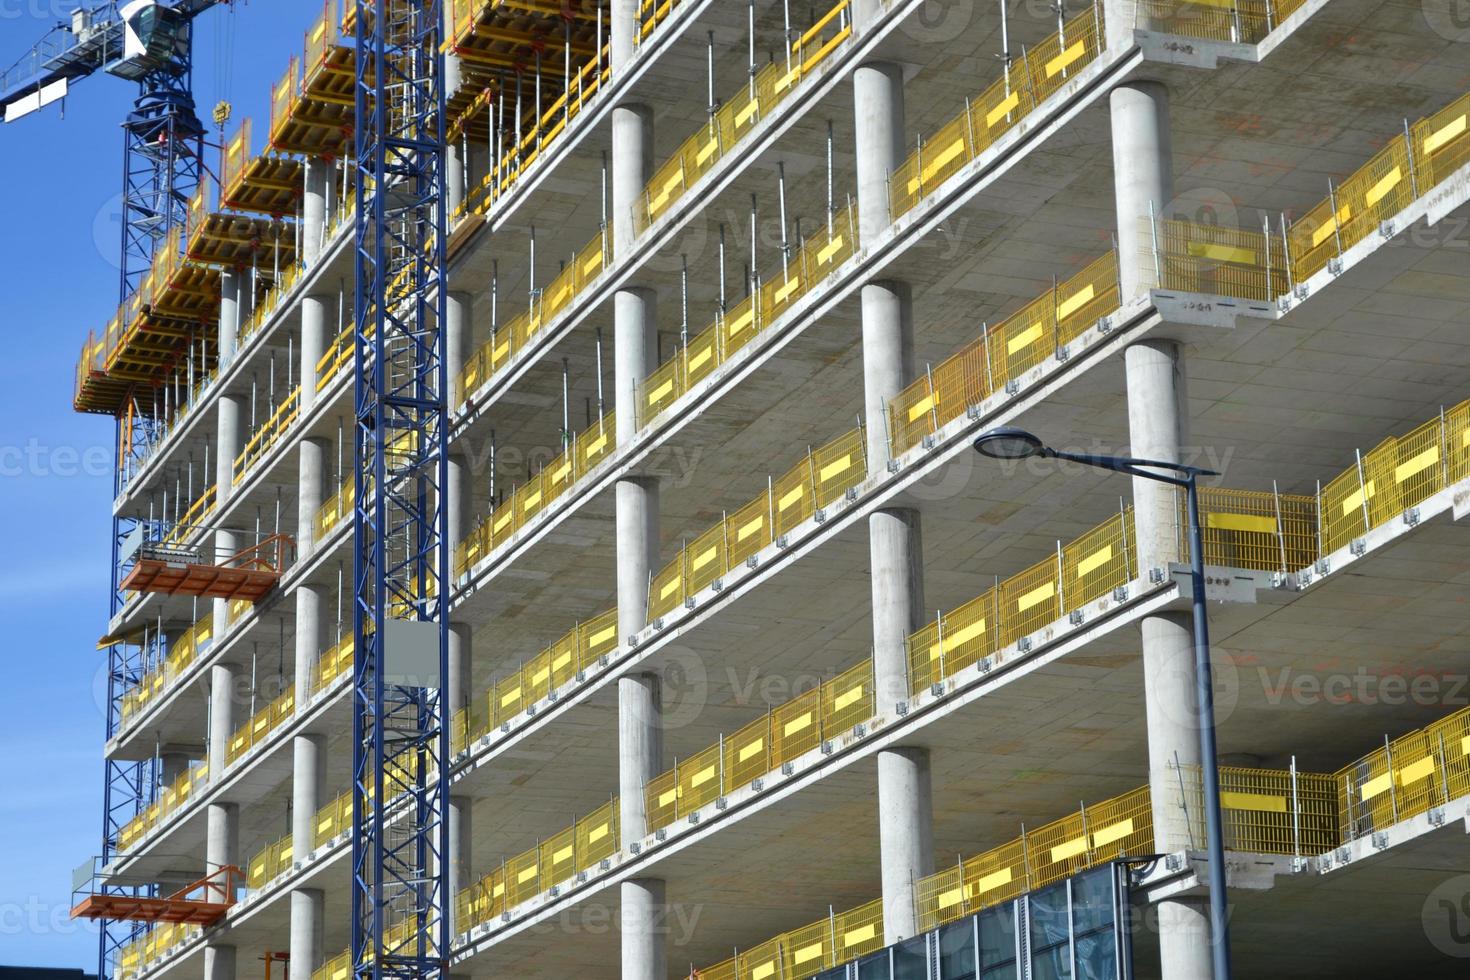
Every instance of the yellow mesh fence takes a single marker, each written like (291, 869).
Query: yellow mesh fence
(1025, 83)
(1206, 258)
(1266, 811)
(786, 732)
(1258, 530)
(260, 725)
(1406, 777)
(583, 452)
(551, 669)
(553, 861)
(821, 478)
(585, 267)
(173, 797)
(190, 646)
(738, 115)
(1003, 353)
(135, 956)
(810, 264)
(1398, 474)
(1240, 21)
(268, 434)
(269, 863)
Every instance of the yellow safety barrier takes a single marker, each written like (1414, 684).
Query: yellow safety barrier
(1398, 474)
(551, 862)
(260, 725)
(584, 451)
(192, 521)
(738, 116)
(270, 431)
(272, 861)
(334, 663)
(1025, 83)
(135, 956)
(172, 799)
(1262, 810)
(585, 268)
(1242, 529)
(337, 509)
(184, 651)
(816, 259)
(1407, 777)
(1239, 21)
(1003, 353)
(1262, 265)
(581, 91)
(550, 670)
(796, 727)
(1204, 258)
(821, 478)
(338, 967)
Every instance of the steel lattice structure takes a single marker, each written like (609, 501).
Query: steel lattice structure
(400, 926)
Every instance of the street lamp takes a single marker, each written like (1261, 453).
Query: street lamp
(1012, 443)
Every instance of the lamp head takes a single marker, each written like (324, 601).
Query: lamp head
(1009, 443)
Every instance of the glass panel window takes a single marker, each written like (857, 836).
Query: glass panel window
(957, 950)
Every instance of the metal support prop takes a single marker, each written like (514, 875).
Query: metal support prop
(400, 513)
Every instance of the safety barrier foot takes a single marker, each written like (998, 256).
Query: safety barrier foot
(1077, 617)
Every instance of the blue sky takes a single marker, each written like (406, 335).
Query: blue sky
(59, 184)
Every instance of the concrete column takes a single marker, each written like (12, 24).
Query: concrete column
(308, 932)
(905, 807)
(460, 877)
(312, 490)
(877, 89)
(640, 758)
(866, 14)
(221, 847)
(308, 794)
(635, 355)
(172, 763)
(222, 684)
(229, 432)
(314, 209)
(313, 345)
(1143, 176)
(1158, 429)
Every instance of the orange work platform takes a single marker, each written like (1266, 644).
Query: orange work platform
(249, 575)
(202, 903)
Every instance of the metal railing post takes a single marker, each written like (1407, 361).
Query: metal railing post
(1393, 797)
(1296, 814)
(1280, 526)
(1363, 492)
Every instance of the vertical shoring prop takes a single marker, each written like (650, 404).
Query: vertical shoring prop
(400, 801)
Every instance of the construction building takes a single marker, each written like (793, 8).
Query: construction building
(752, 667)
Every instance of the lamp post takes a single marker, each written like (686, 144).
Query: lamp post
(1012, 443)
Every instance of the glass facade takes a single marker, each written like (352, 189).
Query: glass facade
(1073, 930)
